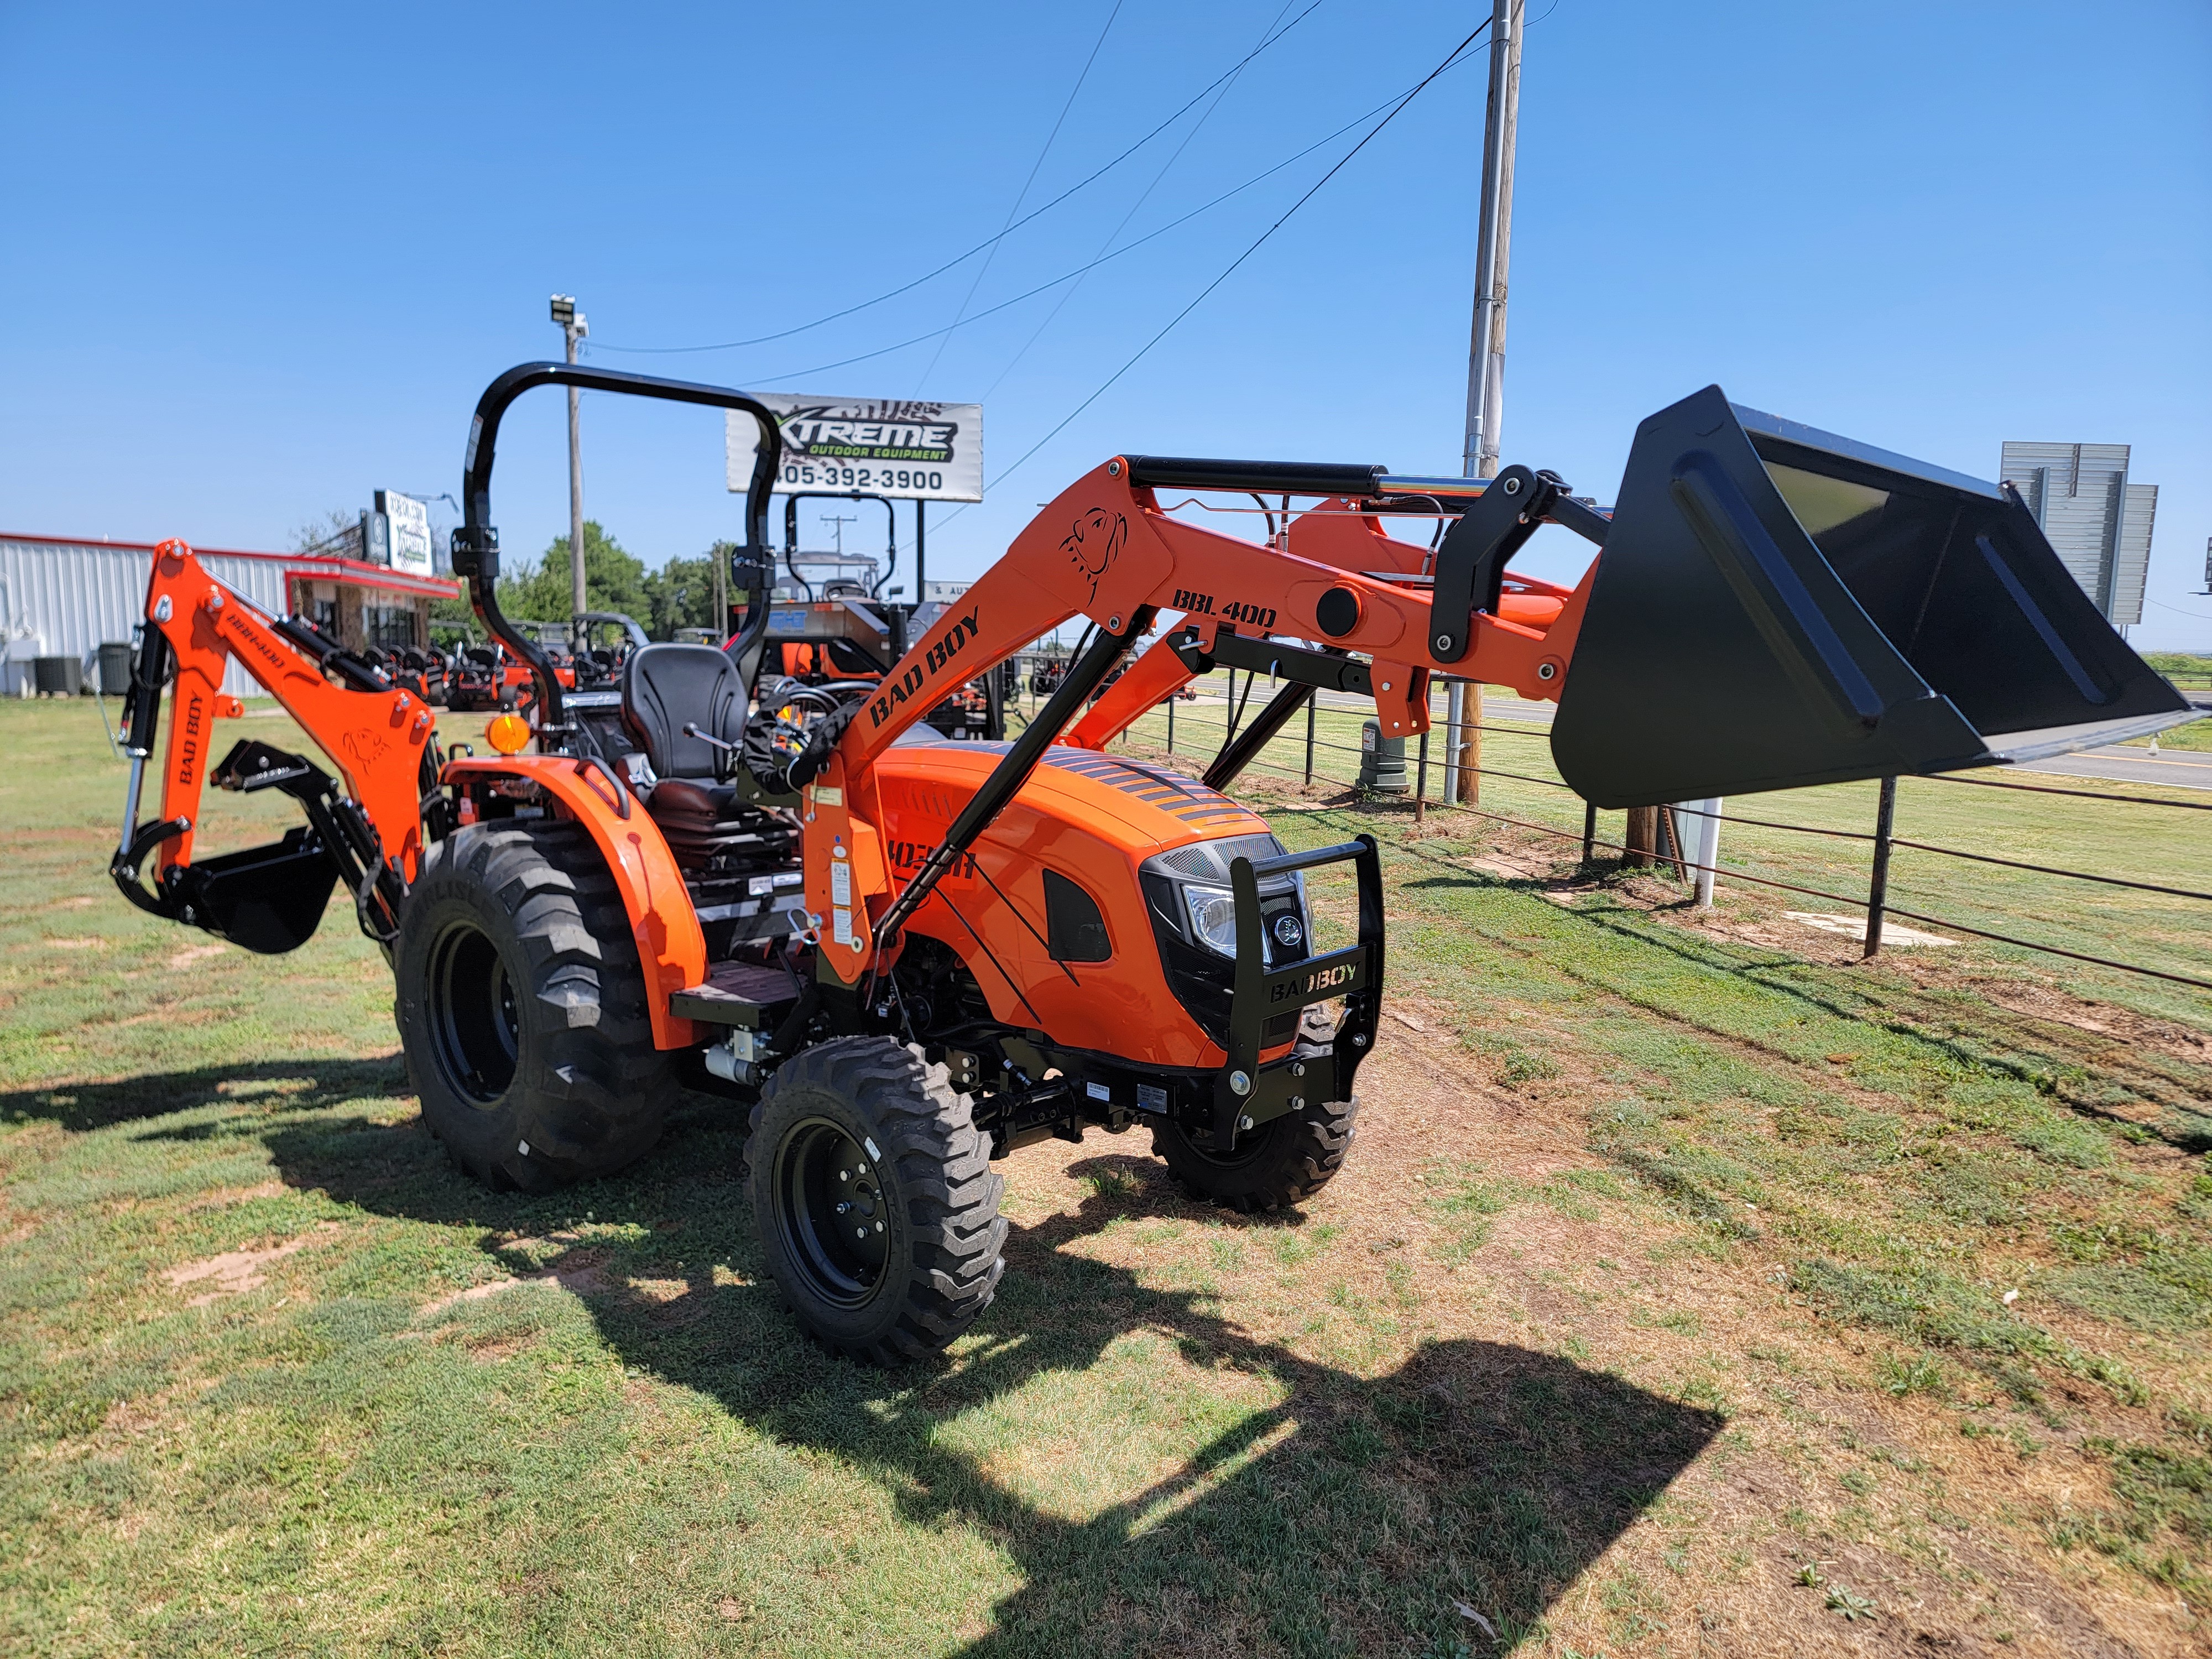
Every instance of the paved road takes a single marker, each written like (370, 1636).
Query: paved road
(2123, 763)
(2176, 768)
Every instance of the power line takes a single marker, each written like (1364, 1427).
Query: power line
(1112, 236)
(1022, 195)
(1397, 107)
(958, 259)
(1070, 275)
(1450, 58)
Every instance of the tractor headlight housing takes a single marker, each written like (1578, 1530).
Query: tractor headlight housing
(1193, 912)
(1212, 914)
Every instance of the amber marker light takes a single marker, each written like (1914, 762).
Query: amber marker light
(509, 733)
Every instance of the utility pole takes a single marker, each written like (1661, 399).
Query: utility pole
(1486, 367)
(1486, 362)
(572, 328)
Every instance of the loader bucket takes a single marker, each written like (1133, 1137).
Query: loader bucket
(1777, 606)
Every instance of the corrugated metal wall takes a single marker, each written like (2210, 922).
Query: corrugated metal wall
(65, 599)
(2098, 520)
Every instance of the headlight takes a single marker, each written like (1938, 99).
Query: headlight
(1212, 913)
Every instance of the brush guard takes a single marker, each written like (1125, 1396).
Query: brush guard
(271, 899)
(1246, 1093)
(1776, 606)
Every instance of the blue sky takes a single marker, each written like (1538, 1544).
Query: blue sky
(260, 260)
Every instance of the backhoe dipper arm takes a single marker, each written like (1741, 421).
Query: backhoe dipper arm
(476, 544)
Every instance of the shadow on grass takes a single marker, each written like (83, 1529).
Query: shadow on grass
(302, 1084)
(1331, 1512)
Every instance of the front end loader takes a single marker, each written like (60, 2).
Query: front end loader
(904, 957)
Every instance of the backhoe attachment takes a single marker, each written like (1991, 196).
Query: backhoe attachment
(366, 827)
(1777, 606)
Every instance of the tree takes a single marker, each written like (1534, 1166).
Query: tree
(613, 581)
(681, 593)
(335, 534)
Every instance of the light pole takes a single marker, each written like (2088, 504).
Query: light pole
(572, 328)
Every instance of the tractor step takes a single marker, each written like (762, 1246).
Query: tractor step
(738, 993)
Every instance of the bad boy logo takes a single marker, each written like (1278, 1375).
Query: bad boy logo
(1094, 543)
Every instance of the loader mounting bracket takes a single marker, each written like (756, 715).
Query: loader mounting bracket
(1471, 564)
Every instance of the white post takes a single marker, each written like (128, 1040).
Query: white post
(1705, 843)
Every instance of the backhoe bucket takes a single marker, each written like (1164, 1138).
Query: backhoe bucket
(1777, 606)
(268, 899)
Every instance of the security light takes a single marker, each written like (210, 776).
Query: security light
(564, 309)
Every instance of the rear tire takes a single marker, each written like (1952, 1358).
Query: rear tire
(522, 1009)
(1283, 1161)
(913, 1255)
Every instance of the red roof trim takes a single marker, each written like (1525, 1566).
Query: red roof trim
(322, 566)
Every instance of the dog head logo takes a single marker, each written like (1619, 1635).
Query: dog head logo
(1094, 543)
(364, 746)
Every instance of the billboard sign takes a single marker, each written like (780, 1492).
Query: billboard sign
(900, 447)
(408, 532)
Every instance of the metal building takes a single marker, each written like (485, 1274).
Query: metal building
(2098, 520)
(65, 599)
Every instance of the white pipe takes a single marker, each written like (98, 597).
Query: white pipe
(1705, 843)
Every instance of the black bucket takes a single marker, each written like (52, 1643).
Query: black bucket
(267, 899)
(1776, 606)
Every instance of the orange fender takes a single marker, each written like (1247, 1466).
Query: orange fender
(670, 944)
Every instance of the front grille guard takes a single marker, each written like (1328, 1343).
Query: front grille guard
(1248, 1094)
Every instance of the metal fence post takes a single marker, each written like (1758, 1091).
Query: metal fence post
(1590, 833)
(1885, 820)
(1171, 703)
(1421, 780)
(1310, 702)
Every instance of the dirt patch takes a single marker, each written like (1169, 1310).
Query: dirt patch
(193, 953)
(579, 1271)
(2122, 1026)
(223, 1198)
(234, 1271)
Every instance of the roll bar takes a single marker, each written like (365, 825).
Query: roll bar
(476, 544)
(791, 532)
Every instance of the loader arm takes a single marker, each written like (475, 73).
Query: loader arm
(1106, 550)
(368, 826)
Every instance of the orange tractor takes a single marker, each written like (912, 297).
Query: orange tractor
(907, 957)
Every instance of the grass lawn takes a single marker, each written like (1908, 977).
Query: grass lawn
(2196, 736)
(1664, 1308)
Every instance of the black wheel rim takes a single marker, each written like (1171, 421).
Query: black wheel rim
(1250, 1142)
(833, 1212)
(475, 1026)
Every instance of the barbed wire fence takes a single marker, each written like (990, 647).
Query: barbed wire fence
(1209, 719)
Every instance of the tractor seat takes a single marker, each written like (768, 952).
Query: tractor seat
(665, 688)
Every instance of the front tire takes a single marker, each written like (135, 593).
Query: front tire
(1283, 1161)
(522, 1008)
(876, 1201)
